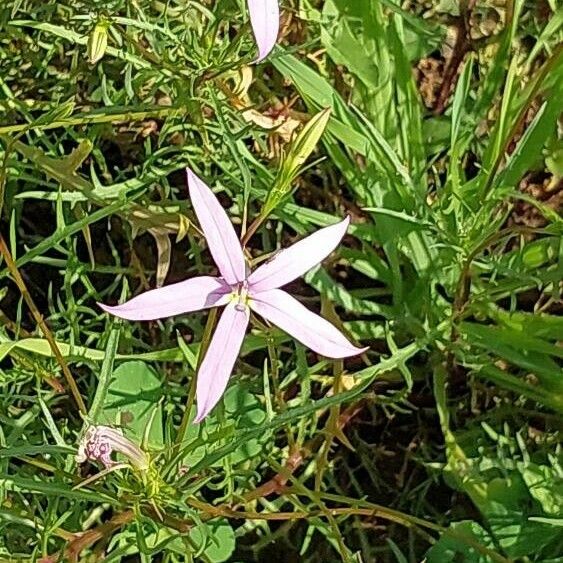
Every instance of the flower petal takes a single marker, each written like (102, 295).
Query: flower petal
(220, 357)
(189, 295)
(313, 331)
(265, 21)
(292, 262)
(218, 230)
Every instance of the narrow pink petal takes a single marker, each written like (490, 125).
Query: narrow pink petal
(292, 262)
(175, 299)
(265, 21)
(313, 331)
(219, 360)
(218, 230)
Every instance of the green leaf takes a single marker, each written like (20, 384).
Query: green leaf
(450, 549)
(506, 513)
(212, 541)
(218, 537)
(51, 489)
(133, 395)
(525, 351)
(349, 127)
(529, 148)
(545, 485)
(519, 385)
(35, 450)
(242, 409)
(41, 346)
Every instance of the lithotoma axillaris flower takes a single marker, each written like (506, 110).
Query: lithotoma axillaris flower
(240, 292)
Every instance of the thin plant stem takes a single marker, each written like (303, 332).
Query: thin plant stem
(205, 341)
(251, 230)
(370, 510)
(105, 373)
(274, 372)
(124, 116)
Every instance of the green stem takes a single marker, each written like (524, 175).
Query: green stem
(251, 230)
(105, 373)
(205, 341)
(157, 112)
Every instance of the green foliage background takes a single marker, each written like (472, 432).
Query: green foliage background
(442, 441)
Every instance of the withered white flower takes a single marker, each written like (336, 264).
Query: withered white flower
(99, 442)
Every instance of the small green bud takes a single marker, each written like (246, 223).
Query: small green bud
(298, 153)
(306, 141)
(98, 41)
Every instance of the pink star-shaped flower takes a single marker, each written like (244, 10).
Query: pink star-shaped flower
(241, 291)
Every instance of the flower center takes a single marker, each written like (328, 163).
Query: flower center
(241, 296)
